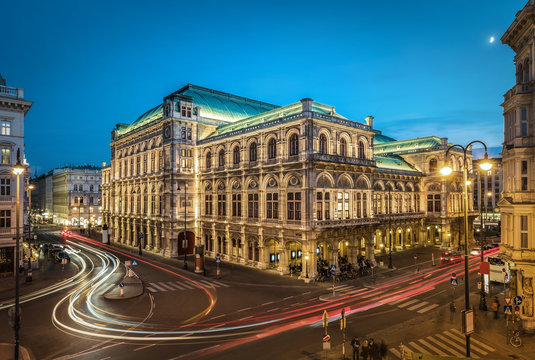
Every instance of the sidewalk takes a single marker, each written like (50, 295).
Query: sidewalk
(7, 352)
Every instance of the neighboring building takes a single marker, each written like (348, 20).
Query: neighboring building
(488, 191)
(13, 109)
(70, 196)
(518, 198)
(266, 186)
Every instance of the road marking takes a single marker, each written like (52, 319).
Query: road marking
(414, 307)
(288, 297)
(397, 301)
(451, 342)
(175, 286)
(270, 310)
(243, 309)
(220, 283)
(408, 303)
(425, 309)
(418, 347)
(429, 346)
(191, 354)
(472, 346)
(269, 302)
(444, 346)
(247, 317)
(187, 285)
(164, 285)
(151, 289)
(157, 287)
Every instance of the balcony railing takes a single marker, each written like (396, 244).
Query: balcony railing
(518, 89)
(6, 91)
(413, 215)
(8, 198)
(342, 159)
(337, 223)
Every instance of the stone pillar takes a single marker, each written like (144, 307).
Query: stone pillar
(128, 232)
(283, 261)
(149, 235)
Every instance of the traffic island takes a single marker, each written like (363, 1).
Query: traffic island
(129, 288)
(7, 352)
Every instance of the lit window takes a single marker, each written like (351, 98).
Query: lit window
(6, 156)
(6, 127)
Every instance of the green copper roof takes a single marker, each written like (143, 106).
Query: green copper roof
(406, 145)
(215, 105)
(393, 162)
(277, 113)
(381, 139)
(222, 106)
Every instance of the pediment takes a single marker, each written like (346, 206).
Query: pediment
(505, 201)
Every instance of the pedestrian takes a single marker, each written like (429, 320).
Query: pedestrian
(452, 310)
(495, 306)
(355, 343)
(373, 350)
(383, 349)
(364, 350)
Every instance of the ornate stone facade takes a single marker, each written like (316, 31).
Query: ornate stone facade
(268, 186)
(518, 198)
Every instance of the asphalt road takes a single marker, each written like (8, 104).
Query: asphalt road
(182, 315)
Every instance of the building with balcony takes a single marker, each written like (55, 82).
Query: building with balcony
(13, 109)
(517, 205)
(69, 196)
(266, 186)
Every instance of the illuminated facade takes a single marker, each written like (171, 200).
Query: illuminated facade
(517, 205)
(266, 186)
(13, 109)
(71, 196)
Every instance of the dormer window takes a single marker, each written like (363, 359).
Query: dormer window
(186, 111)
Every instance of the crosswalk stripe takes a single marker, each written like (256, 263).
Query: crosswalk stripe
(423, 303)
(479, 343)
(451, 343)
(473, 341)
(397, 301)
(418, 347)
(208, 283)
(220, 283)
(425, 309)
(187, 285)
(429, 346)
(176, 286)
(457, 335)
(395, 352)
(444, 346)
(157, 287)
(408, 303)
(167, 287)
(342, 288)
(356, 291)
(151, 289)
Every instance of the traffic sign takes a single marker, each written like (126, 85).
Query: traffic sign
(507, 300)
(333, 267)
(517, 300)
(454, 281)
(121, 284)
(508, 309)
(134, 262)
(217, 259)
(127, 262)
(327, 338)
(517, 308)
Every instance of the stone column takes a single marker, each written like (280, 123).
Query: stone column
(149, 236)
(128, 232)
(283, 261)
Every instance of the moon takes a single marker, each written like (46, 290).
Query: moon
(491, 40)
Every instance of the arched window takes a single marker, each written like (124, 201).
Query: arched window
(272, 148)
(362, 153)
(323, 144)
(252, 152)
(433, 165)
(294, 145)
(236, 155)
(208, 160)
(343, 147)
(222, 157)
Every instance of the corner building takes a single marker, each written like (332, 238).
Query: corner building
(518, 197)
(267, 186)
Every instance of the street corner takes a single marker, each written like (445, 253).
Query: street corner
(7, 352)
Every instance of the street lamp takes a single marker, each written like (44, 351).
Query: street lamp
(445, 171)
(389, 209)
(18, 169)
(185, 241)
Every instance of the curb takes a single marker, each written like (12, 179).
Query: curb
(133, 287)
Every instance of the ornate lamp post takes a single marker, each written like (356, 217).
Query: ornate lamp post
(30, 188)
(18, 169)
(447, 170)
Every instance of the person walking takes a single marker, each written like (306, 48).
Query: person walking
(355, 343)
(365, 351)
(383, 349)
(495, 306)
(452, 310)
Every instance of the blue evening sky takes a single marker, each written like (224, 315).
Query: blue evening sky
(419, 67)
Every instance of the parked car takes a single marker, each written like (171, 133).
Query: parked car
(449, 257)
